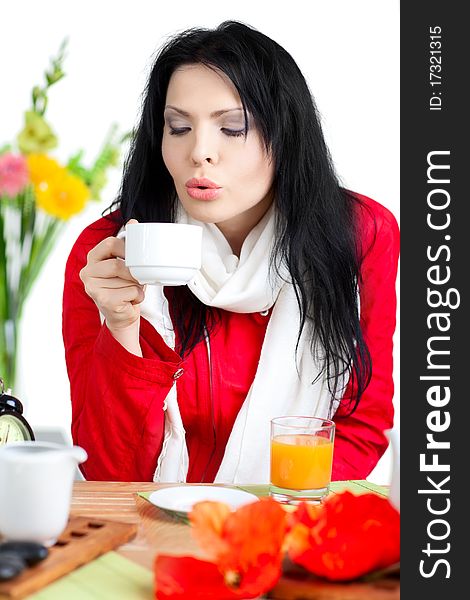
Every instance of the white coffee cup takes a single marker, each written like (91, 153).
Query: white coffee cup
(163, 253)
(36, 480)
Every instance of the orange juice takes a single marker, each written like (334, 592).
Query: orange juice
(301, 461)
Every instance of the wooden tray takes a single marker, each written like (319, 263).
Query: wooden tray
(293, 589)
(82, 541)
(298, 584)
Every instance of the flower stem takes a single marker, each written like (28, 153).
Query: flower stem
(7, 323)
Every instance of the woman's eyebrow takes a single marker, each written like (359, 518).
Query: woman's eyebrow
(216, 113)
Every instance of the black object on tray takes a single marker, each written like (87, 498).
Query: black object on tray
(16, 556)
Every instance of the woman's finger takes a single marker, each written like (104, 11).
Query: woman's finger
(114, 283)
(119, 300)
(110, 247)
(109, 269)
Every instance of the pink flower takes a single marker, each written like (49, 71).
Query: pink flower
(13, 174)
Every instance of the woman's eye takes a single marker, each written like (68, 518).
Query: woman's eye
(233, 132)
(226, 131)
(178, 130)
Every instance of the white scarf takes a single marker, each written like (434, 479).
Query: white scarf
(280, 387)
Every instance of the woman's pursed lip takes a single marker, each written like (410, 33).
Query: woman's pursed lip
(201, 182)
(199, 193)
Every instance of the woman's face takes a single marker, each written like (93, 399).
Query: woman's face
(204, 137)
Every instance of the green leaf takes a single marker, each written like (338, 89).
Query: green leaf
(54, 74)
(42, 248)
(3, 272)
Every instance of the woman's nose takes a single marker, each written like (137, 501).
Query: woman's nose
(204, 149)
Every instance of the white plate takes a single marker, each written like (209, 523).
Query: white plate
(181, 499)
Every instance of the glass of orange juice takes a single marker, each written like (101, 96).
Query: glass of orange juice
(301, 458)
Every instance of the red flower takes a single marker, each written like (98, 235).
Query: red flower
(346, 537)
(245, 548)
(187, 578)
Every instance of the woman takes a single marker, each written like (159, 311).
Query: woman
(295, 308)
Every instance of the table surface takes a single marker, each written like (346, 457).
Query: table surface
(118, 501)
(158, 533)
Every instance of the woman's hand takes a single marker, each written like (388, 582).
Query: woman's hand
(115, 292)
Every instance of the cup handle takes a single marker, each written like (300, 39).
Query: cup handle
(122, 236)
(78, 453)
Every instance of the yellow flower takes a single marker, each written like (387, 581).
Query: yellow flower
(58, 192)
(42, 168)
(65, 196)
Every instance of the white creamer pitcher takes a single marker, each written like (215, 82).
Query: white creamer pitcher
(36, 480)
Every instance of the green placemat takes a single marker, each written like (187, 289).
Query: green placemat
(356, 486)
(109, 577)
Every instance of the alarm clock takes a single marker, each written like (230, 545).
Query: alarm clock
(13, 426)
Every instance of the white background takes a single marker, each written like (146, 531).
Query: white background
(348, 52)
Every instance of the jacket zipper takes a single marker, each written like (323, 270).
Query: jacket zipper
(211, 399)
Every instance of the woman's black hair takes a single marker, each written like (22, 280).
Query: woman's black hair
(316, 218)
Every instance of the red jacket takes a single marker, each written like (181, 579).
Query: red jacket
(117, 397)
